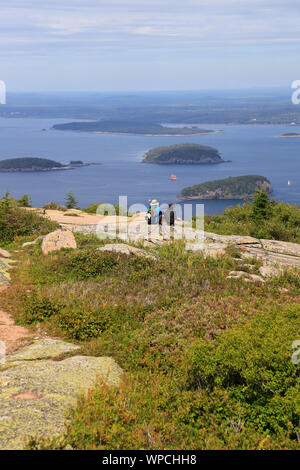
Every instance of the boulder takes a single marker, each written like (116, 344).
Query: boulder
(269, 271)
(57, 240)
(127, 250)
(35, 394)
(4, 253)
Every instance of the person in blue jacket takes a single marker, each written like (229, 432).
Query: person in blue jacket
(154, 213)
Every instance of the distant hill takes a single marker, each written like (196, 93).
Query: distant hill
(29, 164)
(183, 154)
(125, 127)
(239, 187)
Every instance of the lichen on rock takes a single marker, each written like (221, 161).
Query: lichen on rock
(35, 393)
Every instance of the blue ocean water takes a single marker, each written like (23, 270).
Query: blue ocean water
(252, 149)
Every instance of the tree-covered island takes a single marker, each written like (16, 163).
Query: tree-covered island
(183, 154)
(239, 187)
(36, 164)
(133, 128)
(291, 134)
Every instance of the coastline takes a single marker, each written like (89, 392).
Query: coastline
(187, 162)
(289, 136)
(34, 170)
(210, 198)
(140, 134)
(27, 170)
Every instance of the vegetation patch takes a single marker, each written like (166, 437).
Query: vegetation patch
(17, 222)
(206, 359)
(261, 218)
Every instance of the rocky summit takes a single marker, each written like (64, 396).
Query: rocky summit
(135, 319)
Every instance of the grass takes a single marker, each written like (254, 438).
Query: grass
(206, 359)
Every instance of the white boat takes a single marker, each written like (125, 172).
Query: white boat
(289, 183)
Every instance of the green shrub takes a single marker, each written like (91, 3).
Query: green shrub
(254, 365)
(38, 308)
(86, 264)
(24, 201)
(263, 218)
(117, 210)
(54, 206)
(15, 222)
(85, 324)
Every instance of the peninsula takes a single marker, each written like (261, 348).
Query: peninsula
(183, 154)
(131, 128)
(239, 187)
(37, 164)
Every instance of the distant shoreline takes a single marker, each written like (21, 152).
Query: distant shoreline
(152, 135)
(211, 198)
(35, 170)
(284, 136)
(139, 134)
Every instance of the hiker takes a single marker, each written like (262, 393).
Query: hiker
(169, 215)
(154, 213)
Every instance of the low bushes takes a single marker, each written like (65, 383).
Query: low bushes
(85, 264)
(253, 366)
(206, 359)
(17, 222)
(263, 218)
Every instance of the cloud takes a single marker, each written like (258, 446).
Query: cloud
(56, 26)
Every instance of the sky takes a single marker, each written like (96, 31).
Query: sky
(139, 45)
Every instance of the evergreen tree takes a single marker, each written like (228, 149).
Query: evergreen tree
(24, 201)
(71, 202)
(6, 200)
(261, 206)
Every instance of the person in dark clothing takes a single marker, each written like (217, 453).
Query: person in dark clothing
(169, 215)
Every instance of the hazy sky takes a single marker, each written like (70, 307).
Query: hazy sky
(148, 44)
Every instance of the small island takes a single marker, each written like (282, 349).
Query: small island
(37, 164)
(290, 134)
(239, 187)
(183, 154)
(131, 128)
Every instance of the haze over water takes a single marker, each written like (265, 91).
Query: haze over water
(252, 149)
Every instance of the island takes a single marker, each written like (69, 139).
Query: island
(131, 128)
(183, 154)
(290, 134)
(37, 164)
(239, 187)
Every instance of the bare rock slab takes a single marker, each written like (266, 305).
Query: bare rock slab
(42, 349)
(35, 394)
(127, 250)
(284, 248)
(57, 240)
